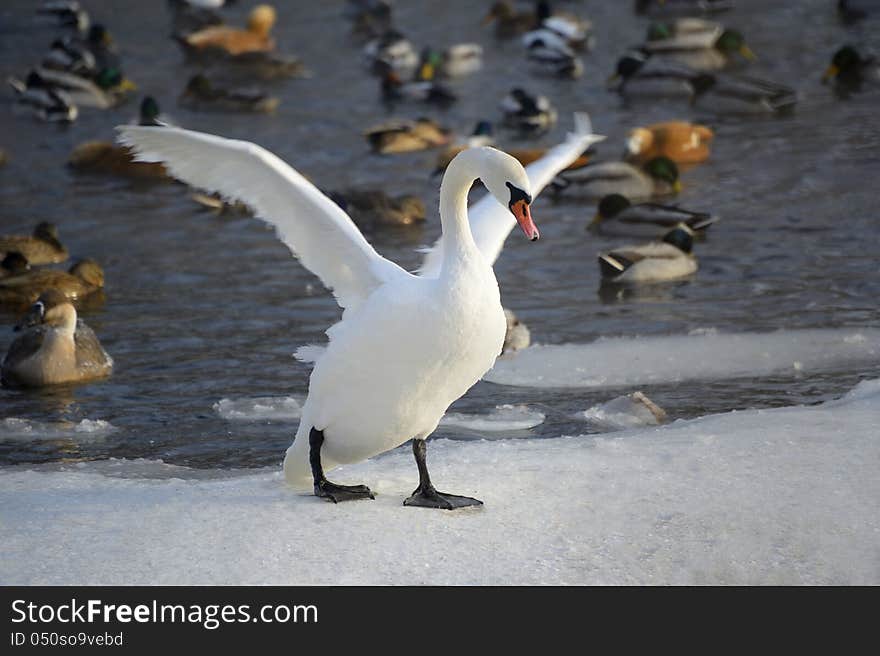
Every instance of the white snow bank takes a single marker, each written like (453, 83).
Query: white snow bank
(503, 418)
(15, 428)
(627, 411)
(780, 496)
(623, 361)
(259, 408)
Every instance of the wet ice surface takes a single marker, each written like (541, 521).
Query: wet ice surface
(503, 418)
(782, 496)
(16, 428)
(706, 355)
(265, 407)
(628, 411)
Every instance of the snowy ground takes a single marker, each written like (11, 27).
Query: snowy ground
(781, 496)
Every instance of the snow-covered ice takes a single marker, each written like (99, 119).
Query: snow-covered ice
(503, 418)
(259, 408)
(705, 355)
(781, 496)
(13, 428)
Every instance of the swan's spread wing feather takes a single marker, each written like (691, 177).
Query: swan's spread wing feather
(491, 222)
(313, 227)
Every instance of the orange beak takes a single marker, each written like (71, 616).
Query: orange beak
(523, 216)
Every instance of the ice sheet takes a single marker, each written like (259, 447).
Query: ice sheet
(622, 412)
(706, 355)
(259, 408)
(781, 496)
(15, 428)
(503, 418)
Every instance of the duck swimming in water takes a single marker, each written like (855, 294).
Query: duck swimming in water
(668, 259)
(41, 247)
(406, 136)
(84, 278)
(234, 41)
(54, 347)
(658, 177)
(616, 215)
(680, 141)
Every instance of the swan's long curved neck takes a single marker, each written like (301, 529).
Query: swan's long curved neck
(458, 241)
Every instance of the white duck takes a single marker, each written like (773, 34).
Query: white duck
(407, 346)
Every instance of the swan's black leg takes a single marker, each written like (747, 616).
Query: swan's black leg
(425, 496)
(323, 487)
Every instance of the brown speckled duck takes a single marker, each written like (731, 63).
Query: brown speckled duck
(54, 347)
(84, 278)
(41, 247)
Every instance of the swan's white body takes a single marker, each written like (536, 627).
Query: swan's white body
(407, 346)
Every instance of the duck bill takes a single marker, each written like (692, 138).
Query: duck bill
(597, 219)
(830, 72)
(612, 81)
(523, 216)
(127, 85)
(676, 186)
(746, 52)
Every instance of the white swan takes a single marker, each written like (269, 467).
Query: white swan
(407, 346)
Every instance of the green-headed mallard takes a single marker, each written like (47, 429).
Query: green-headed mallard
(54, 347)
(657, 178)
(669, 259)
(849, 69)
(106, 89)
(40, 247)
(616, 215)
(701, 44)
(84, 278)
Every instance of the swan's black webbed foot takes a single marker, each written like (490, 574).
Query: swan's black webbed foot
(324, 488)
(425, 496)
(337, 493)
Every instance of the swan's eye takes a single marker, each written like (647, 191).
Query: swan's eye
(517, 194)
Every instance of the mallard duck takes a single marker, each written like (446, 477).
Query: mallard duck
(373, 208)
(680, 141)
(616, 215)
(203, 94)
(84, 278)
(54, 347)
(575, 31)
(682, 7)
(849, 69)
(508, 21)
(68, 12)
(420, 90)
(83, 56)
(111, 158)
(47, 102)
(108, 88)
(639, 73)
(456, 61)
(392, 50)
(549, 55)
(13, 264)
(526, 113)
(701, 44)
(658, 177)
(406, 136)
(234, 41)
(41, 247)
(668, 259)
(517, 336)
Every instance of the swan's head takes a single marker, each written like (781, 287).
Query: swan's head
(507, 180)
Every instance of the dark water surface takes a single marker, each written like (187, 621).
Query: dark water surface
(200, 308)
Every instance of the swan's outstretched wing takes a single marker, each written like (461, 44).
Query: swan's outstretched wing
(315, 228)
(491, 222)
